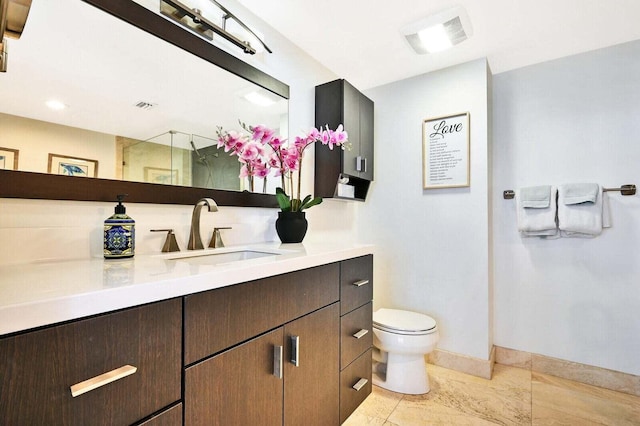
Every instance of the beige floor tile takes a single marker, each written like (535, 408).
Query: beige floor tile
(432, 413)
(553, 395)
(376, 408)
(505, 399)
(513, 397)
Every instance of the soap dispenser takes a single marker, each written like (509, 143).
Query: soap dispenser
(119, 233)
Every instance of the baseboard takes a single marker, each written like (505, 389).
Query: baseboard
(582, 373)
(463, 363)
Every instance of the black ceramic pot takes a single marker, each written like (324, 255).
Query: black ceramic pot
(291, 226)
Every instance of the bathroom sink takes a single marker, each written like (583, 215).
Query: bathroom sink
(220, 258)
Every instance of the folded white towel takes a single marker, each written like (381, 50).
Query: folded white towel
(536, 211)
(538, 197)
(579, 213)
(576, 193)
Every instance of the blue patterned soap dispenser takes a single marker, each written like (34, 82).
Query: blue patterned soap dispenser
(119, 233)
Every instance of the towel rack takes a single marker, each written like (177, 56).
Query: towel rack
(624, 190)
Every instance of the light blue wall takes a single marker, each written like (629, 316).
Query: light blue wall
(432, 253)
(575, 119)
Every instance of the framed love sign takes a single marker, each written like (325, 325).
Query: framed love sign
(445, 151)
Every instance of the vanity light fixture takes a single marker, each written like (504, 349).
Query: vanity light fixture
(4, 56)
(13, 17)
(193, 19)
(438, 32)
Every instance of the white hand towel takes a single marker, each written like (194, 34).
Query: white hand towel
(579, 214)
(536, 211)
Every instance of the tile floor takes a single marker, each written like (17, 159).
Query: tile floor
(514, 396)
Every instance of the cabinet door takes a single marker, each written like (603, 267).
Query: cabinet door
(366, 137)
(236, 387)
(37, 369)
(351, 117)
(311, 395)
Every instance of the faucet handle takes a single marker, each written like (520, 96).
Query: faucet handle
(216, 238)
(170, 244)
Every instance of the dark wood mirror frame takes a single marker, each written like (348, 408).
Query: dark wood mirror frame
(16, 184)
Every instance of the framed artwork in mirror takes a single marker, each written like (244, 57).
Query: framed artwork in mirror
(8, 159)
(72, 166)
(158, 175)
(445, 151)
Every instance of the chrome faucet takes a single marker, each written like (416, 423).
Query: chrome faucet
(195, 241)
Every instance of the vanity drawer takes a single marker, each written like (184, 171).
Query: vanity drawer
(37, 369)
(353, 388)
(356, 333)
(356, 283)
(221, 318)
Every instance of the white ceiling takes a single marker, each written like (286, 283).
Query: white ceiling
(360, 40)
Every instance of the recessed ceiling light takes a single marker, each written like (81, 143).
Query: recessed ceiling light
(439, 31)
(55, 105)
(435, 38)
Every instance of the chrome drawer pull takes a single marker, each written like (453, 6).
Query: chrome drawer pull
(277, 361)
(101, 380)
(295, 350)
(360, 384)
(361, 333)
(360, 283)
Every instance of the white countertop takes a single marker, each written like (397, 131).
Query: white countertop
(38, 294)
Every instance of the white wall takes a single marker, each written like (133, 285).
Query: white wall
(432, 252)
(37, 230)
(29, 136)
(575, 119)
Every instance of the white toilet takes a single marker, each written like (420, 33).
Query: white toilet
(401, 340)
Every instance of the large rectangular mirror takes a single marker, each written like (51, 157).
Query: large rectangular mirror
(142, 99)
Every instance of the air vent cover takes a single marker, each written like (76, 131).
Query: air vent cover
(144, 105)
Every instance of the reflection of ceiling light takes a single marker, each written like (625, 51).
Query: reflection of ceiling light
(439, 32)
(259, 99)
(55, 105)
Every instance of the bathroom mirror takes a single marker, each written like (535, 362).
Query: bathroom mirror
(128, 79)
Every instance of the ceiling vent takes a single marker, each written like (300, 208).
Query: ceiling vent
(144, 105)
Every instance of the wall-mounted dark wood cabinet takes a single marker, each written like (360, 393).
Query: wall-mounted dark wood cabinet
(338, 102)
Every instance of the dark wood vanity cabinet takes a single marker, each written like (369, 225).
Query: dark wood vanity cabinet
(38, 369)
(356, 332)
(269, 350)
(270, 380)
(338, 102)
(289, 349)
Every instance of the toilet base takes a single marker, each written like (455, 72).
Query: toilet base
(400, 373)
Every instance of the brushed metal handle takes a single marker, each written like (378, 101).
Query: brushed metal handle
(277, 361)
(361, 333)
(361, 164)
(101, 380)
(295, 350)
(360, 283)
(360, 384)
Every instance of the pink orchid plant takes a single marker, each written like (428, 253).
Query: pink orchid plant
(262, 152)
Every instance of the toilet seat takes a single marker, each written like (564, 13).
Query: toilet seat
(403, 322)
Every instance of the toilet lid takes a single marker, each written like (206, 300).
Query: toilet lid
(403, 321)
